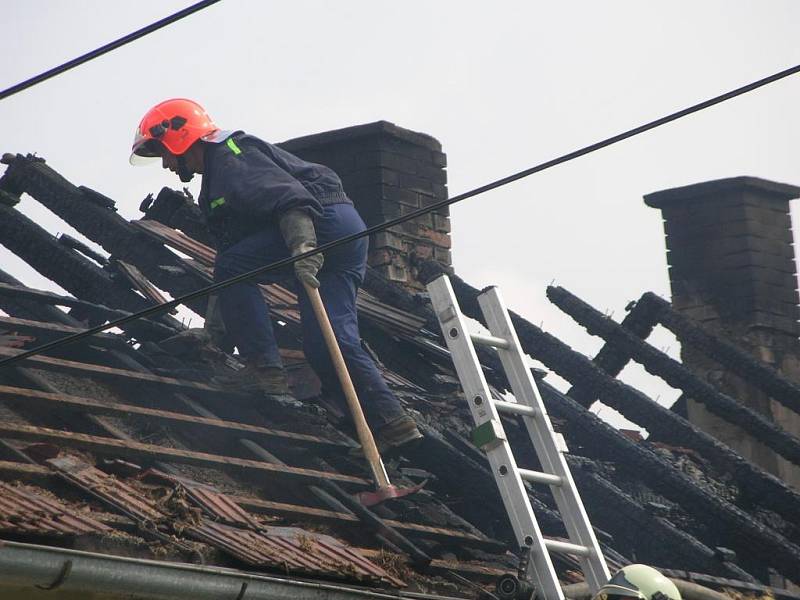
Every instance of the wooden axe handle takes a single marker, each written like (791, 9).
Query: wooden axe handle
(364, 433)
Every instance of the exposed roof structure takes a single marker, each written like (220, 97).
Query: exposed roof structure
(121, 446)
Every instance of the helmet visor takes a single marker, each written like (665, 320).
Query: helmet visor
(616, 593)
(145, 150)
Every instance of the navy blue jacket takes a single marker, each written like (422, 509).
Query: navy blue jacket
(249, 183)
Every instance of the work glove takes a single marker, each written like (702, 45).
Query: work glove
(297, 228)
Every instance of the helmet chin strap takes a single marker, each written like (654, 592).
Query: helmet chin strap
(184, 173)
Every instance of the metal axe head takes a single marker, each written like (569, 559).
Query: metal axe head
(387, 493)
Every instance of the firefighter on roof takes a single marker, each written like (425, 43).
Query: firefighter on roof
(263, 204)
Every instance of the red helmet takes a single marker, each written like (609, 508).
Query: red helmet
(174, 124)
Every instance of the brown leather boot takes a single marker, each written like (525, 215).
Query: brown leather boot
(256, 378)
(396, 433)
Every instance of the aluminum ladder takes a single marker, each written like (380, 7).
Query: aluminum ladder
(490, 436)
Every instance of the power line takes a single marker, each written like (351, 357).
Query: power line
(386, 225)
(107, 48)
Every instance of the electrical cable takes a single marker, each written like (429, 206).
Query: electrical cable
(107, 48)
(391, 223)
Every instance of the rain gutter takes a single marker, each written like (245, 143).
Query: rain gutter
(29, 565)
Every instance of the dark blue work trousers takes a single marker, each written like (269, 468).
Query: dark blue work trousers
(246, 316)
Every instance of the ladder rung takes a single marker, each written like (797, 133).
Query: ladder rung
(514, 408)
(559, 546)
(539, 477)
(488, 340)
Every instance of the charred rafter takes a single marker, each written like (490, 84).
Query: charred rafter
(18, 292)
(663, 544)
(612, 359)
(739, 530)
(734, 358)
(678, 376)
(89, 213)
(69, 269)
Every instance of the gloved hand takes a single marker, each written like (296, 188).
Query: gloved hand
(297, 228)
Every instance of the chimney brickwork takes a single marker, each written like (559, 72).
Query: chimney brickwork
(388, 172)
(732, 268)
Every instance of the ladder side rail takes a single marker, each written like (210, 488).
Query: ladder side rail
(501, 460)
(543, 437)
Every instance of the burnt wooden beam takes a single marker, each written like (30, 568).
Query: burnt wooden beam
(31, 309)
(70, 270)
(92, 215)
(69, 402)
(728, 524)
(676, 375)
(51, 331)
(664, 542)
(415, 529)
(747, 534)
(138, 450)
(47, 363)
(179, 211)
(74, 243)
(732, 586)
(26, 471)
(468, 480)
(611, 359)
(755, 372)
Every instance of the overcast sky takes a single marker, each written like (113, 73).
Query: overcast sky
(503, 86)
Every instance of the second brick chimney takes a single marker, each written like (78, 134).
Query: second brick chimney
(732, 268)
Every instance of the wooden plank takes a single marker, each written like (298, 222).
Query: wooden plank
(480, 571)
(27, 396)
(49, 298)
(47, 363)
(24, 470)
(427, 531)
(45, 332)
(294, 511)
(141, 283)
(135, 450)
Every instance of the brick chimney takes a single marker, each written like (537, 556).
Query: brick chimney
(389, 171)
(731, 267)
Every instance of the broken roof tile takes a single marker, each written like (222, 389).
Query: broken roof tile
(25, 511)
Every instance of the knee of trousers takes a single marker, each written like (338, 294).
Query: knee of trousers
(357, 359)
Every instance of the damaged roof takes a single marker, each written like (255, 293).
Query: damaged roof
(122, 445)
